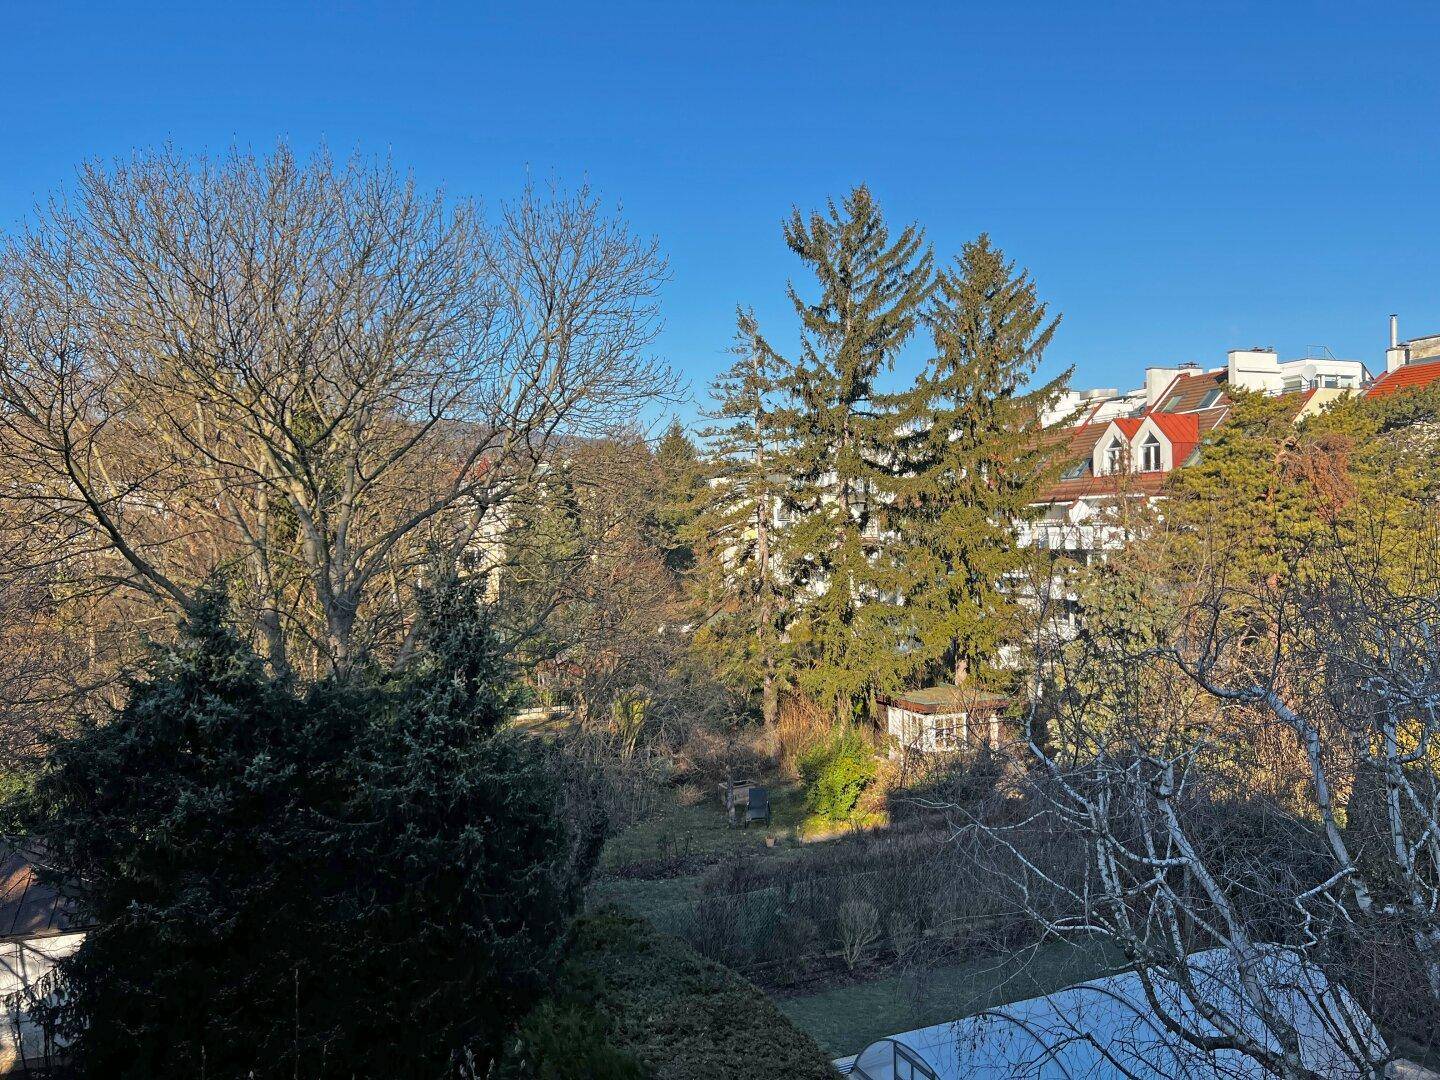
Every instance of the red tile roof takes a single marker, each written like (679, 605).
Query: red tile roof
(1413, 376)
(1186, 392)
(1182, 423)
(1128, 483)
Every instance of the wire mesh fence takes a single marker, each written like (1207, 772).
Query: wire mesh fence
(780, 920)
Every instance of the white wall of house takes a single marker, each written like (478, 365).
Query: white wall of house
(931, 733)
(919, 731)
(1262, 369)
(23, 963)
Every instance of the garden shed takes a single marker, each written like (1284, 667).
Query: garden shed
(1106, 1028)
(945, 717)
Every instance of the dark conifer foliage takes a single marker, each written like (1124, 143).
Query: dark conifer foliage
(973, 461)
(364, 881)
(679, 496)
(743, 605)
(872, 288)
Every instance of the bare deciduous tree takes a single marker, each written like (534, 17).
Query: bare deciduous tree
(1146, 759)
(313, 375)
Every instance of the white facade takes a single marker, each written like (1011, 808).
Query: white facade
(1076, 526)
(1263, 370)
(1246, 369)
(1092, 406)
(931, 733)
(24, 963)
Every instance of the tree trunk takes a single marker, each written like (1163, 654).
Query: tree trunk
(273, 632)
(769, 691)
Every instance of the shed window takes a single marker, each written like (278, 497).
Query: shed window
(949, 730)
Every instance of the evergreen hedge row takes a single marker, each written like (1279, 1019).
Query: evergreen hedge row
(674, 1014)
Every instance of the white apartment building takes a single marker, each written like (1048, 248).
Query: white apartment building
(1120, 446)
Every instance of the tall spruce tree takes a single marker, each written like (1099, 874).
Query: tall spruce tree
(973, 461)
(872, 287)
(680, 488)
(743, 607)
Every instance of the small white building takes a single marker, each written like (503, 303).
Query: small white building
(1108, 1028)
(36, 933)
(943, 718)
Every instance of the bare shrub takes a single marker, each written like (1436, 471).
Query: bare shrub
(858, 924)
(618, 790)
(712, 754)
(944, 783)
(902, 934)
(691, 793)
(784, 945)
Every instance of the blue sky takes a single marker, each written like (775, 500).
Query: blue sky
(1181, 179)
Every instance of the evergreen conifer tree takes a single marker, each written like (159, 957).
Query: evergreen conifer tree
(280, 885)
(743, 607)
(1248, 506)
(872, 288)
(678, 498)
(973, 461)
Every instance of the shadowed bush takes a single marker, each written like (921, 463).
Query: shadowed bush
(372, 879)
(682, 1017)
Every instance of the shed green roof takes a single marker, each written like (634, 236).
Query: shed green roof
(946, 697)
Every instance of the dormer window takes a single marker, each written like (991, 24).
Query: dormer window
(1150, 455)
(1114, 456)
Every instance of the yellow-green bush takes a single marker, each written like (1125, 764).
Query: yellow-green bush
(836, 773)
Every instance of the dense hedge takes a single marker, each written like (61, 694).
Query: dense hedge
(371, 878)
(680, 1016)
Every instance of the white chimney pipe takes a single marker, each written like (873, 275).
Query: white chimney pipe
(1394, 330)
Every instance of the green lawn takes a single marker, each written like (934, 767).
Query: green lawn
(847, 1019)
(676, 831)
(646, 868)
(647, 897)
